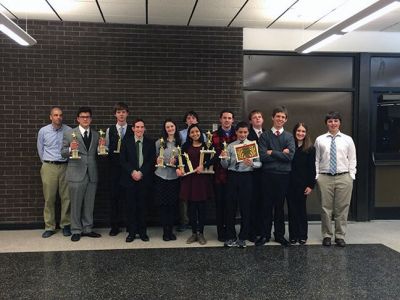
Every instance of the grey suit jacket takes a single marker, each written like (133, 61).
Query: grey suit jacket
(77, 168)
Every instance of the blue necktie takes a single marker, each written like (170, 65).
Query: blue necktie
(332, 161)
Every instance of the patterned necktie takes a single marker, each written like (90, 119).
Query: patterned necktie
(277, 133)
(332, 161)
(121, 132)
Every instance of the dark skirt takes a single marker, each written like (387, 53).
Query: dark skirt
(166, 191)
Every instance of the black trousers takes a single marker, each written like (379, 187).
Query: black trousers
(256, 204)
(297, 209)
(239, 191)
(275, 188)
(136, 204)
(117, 199)
(197, 215)
(220, 209)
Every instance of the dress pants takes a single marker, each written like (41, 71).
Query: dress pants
(82, 205)
(136, 208)
(239, 189)
(335, 194)
(297, 209)
(117, 199)
(220, 210)
(53, 180)
(256, 204)
(275, 189)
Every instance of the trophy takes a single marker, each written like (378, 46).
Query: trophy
(119, 141)
(209, 151)
(173, 154)
(102, 143)
(189, 164)
(224, 148)
(161, 155)
(181, 166)
(74, 152)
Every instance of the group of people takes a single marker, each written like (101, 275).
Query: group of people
(288, 167)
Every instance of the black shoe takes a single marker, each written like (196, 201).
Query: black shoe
(130, 238)
(172, 237)
(48, 233)
(340, 243)
(284, 242)
(75, 237)
(252, 239)
(114, 231)
(293, 241)
(67, 230)
(302, 242)
(144, 237)
(326, 242)
(261, 241)
(166, 238)
(91, 234)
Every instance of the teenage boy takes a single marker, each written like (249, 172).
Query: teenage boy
(114, 137)
(239, 188)
(82, 174)
(224, 134)
(52, 172)
(336, 169)
(256, 120)
(277, 149)
(137, 158)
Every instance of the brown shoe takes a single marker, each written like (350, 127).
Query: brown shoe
(201, 239)
(326, 242)
(192, 239)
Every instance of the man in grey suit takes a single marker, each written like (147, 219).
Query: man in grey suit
(82, 174)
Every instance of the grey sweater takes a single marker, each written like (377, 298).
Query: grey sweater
(278, 162)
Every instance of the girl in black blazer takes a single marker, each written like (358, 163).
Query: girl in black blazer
(302, 182)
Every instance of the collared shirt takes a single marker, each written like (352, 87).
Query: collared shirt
(345, 154)
(274, 130)
(140, 150)
(82, 130)
(124, 127)
(258, 131)
(231, 163)
(49, 142)
(167, 173)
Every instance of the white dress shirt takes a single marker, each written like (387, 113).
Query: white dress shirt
(345, 154)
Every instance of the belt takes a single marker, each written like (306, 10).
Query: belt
(336, 174)
(55, 162)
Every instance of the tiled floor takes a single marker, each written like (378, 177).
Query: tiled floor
(374, 232)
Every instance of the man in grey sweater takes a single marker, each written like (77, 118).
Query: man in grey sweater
(277, 149)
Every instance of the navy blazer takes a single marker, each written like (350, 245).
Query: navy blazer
(129, 162)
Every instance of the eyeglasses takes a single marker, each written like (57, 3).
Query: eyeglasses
(84, 117)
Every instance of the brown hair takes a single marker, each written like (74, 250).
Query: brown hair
(307, 144)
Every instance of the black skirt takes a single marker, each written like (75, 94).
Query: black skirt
(166, 191)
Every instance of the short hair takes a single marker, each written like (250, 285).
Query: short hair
(226, 111)
(241, 124)
(85, 109)
(333, 115)
(137, 121)
(253, 112)
(120, 106)
(191, 113)
(55, 107)
(280, 109)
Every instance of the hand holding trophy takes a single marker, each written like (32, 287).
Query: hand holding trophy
(224, 152)
(160, 158)
(74, 147)
(210, 152)
(102, 143)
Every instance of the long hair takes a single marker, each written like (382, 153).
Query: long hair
(164, 133)
(189, 140)
(307, 144)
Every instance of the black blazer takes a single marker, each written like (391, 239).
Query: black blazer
(129, 161)
(253, 135)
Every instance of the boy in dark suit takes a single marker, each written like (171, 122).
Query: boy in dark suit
(137, 159)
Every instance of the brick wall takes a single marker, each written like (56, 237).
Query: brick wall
(159, 71)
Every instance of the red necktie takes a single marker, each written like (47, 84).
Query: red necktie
(277, 133)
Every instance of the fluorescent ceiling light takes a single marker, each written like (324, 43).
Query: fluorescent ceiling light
(383, 11)
(322, 43)
(372, 12)
(15, 32)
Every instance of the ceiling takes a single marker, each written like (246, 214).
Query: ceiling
(271, 14)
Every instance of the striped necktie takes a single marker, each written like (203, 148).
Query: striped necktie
(332, 160)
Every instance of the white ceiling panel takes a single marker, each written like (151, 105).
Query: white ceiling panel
(170, 12)
(215, 12)
(30, 9)
(124, 11)
(5, 12)
(75, 10)
(383, 23)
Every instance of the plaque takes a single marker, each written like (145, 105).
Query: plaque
(243, 151)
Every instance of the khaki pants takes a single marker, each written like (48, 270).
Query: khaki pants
(53, 180)
(335, 195)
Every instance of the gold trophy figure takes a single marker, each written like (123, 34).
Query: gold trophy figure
(209, 151)
(189, 164)
(74, 152)
(160, 158)
(172, 159)
(181, 166)
(118, 150)
(224, 148)
(102, 143)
